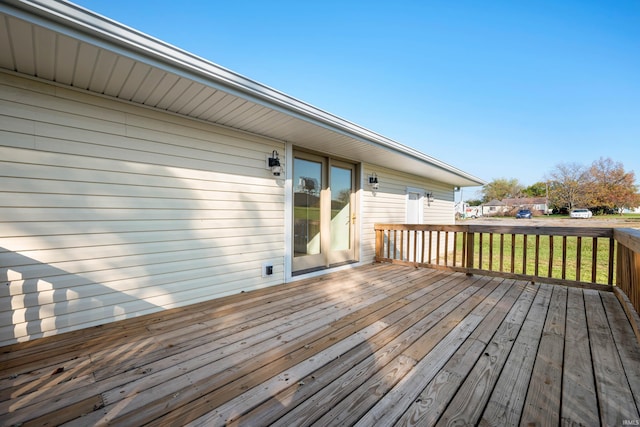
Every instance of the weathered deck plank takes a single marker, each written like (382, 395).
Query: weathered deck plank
(468, 403)
(458, 373)
(579, 399)
(610, 377)
(542, 405)
(507, 399)
(378, 345)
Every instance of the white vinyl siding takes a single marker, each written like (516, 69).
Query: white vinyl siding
(388, 204)
(109, 210)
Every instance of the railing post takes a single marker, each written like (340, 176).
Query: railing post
(470, 249)
(379, 244)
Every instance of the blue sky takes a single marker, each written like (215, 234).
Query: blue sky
(499, 89)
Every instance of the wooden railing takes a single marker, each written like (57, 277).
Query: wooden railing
(628, 266)
(577, 256)
(581, 256)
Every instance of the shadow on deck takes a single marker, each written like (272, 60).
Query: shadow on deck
(376, 345)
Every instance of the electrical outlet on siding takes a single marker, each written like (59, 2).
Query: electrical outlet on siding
(267, 269)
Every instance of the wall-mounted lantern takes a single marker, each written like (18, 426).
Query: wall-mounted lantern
(273, 163)
(429, 196)
(373, 181)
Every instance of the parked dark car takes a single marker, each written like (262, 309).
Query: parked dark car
(524, 213)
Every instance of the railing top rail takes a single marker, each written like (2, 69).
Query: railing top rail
(506, 229)
(629, 237)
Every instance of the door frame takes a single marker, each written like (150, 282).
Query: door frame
(291, 152)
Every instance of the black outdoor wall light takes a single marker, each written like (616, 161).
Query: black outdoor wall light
(373, 181)
(429, 197)
(274, 164)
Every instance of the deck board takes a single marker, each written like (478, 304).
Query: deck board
(376, 345)
(610, 377)
(542, 405)
(579, 399)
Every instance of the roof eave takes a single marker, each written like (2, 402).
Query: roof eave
(77, 22)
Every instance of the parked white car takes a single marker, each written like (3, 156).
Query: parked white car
(581, 213)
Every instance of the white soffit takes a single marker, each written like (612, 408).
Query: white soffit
(64, 43)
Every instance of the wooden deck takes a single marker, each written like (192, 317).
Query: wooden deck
(377, 345)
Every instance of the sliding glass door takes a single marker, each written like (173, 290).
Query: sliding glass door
(323, 212)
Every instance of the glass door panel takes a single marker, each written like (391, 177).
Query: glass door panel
(341, 186)
(340, 208)
(323, 212)
(307, 213)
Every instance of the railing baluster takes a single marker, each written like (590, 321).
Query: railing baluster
(395, 244)
(430, 245)
(455, 247)
(480, 250)
(611, 258)
(564, 257)
(524, 254)
(415, 246)
(389, 244)
(438, 247)
(464, 248)
(446, 247)
(537, 255)
(513, 253)
(578, 257)
(594, 259)
(501, 251)
(490, 251)
(550, 272)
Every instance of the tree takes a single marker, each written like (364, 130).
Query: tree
(539, 189)
(568, 185)
(501, 188)
(610, 186)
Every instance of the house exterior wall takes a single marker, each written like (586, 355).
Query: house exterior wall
(109, 210)
(388, 204)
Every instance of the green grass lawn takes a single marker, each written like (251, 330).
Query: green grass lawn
(518, 262)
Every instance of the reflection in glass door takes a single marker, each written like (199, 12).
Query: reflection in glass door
(323, 212)
(307, 213)
(343, 218)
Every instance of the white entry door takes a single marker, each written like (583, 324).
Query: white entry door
(415, 215)
(415, 206)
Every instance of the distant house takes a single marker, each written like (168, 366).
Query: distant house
(538, 204)
(494, 207)
(137, 177)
